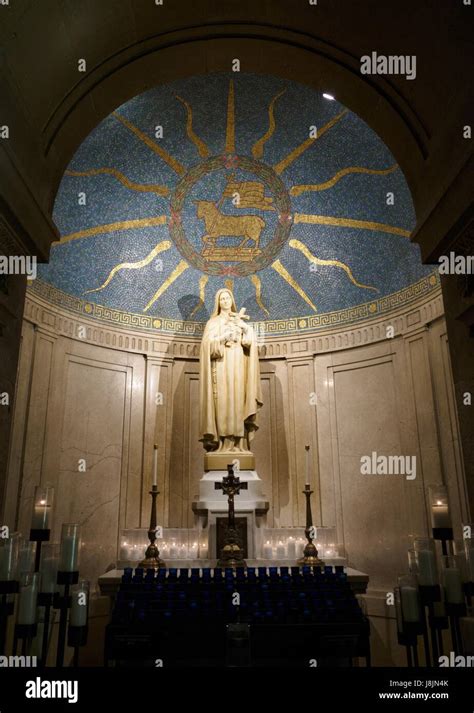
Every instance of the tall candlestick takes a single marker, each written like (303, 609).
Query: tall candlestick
(307, 464)
(155, 464)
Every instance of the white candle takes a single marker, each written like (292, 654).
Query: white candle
(267, 551)
(307, 464)
(453, 586)
(441, 516)
(79, 601)
(280, 551)
(41, 516)
(203, 550)
(291, 547)
(183, 552)
(124, 551)
(426, 561)
(173, 551)
(27, 603)
(410, 605)
(69, 551)
(193, 551)
(155, 464)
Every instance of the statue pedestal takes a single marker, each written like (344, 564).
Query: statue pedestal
(212, 503)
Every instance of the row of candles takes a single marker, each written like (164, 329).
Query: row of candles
(175, 543)
(293, 547)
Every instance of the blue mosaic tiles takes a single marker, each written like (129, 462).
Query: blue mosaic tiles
(133, 175)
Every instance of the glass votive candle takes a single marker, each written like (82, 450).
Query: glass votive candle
(70, 545)
(280, 550)
(267, 550)
(173, 550)
(26, 557)
(452, 581)
(9, 549)
(80, 603)
(49, 568)
(42, 507)
(331, 550)
(203, 550)
(27, 604)
(439, 503)
(410, 598)
(425, 558)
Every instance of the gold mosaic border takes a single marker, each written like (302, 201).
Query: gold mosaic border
(351, 315)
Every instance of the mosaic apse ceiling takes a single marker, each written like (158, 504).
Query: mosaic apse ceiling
(239, 180)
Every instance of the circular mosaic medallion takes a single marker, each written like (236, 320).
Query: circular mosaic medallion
(237, 214)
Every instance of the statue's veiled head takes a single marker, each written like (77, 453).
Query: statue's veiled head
(223, 300)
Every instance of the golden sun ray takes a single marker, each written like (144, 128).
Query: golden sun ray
(229, 283)
(303, 188)
(112, 227)
(164, 245)
(178, 270)
(257, 150)
(200, 145)
(230, 129)
(202, 293)
(296, 153)
(142, 187)
(349, 223)
(258, 293)
(283, 272)
(298, 245)
(162, 153)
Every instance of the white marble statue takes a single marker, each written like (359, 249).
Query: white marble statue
(230, 392)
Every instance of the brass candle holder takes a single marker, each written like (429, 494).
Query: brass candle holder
(152, 555)
(310, 553)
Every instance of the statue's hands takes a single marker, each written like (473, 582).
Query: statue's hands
(237, 320)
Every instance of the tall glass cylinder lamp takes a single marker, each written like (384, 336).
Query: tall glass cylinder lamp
(440, 515)
(41, 518)
(68, 574)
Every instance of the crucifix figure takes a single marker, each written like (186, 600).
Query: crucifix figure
(232, 554)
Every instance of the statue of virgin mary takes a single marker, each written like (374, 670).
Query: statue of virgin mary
(230, 392)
